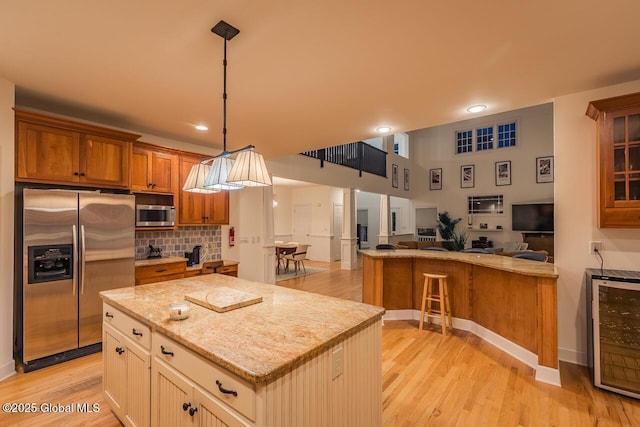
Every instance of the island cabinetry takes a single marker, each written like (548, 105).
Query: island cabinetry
(188, 390)
(52, 150)
(126, 367)
(618, 160)
(200, 208)
(153, 170)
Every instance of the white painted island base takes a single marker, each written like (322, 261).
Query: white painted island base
(341, 386)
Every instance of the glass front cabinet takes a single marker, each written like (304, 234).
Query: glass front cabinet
(618, 160)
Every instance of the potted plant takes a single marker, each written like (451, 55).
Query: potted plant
(453, 240)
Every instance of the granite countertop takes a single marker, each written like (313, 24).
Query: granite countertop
(499, 262)
(259, 342)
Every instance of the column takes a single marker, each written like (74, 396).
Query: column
(349, 240)
(385, 218)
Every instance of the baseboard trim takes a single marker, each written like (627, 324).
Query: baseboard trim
(543, 373)
(7, 370)
(572, 356)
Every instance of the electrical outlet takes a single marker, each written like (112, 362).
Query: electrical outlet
(593, 245)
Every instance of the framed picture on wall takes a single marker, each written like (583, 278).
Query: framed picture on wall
(394, 176)
(544, 169)
(435, 179)
(503, 173)
(467, 176)
(406, 179)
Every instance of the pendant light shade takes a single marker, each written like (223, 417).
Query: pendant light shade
(249, 170)
(217, 177)
(195, 180)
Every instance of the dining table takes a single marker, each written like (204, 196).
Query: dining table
(283, 249)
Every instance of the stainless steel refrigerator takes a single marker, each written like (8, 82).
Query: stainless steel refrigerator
(75, 244)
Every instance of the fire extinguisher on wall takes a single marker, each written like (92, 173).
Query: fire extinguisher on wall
(232, 237)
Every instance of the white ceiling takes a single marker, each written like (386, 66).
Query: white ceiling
(308, 74)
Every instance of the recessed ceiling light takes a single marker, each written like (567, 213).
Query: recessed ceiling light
(476, 108)
(383, 129)
(201, 127)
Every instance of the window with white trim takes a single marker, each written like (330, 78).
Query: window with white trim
(507, 135)
(484, 138)
(464, 141)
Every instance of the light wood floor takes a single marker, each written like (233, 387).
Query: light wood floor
(428, 380)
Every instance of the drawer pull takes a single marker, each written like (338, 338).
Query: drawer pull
(192, 411)
(119, 350)
(161, 270)
(136, 332)
(186, 406)
(107, 314)
(168, 353)
(224, 390)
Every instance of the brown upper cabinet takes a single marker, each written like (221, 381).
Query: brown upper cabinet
(153, 170)
(197, 208)
(53, 150)
(618, 160)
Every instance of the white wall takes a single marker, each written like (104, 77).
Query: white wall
(576, 216)
(247, 214)
(370, 202)
(283, 214)
(435, 148)
(7, 156)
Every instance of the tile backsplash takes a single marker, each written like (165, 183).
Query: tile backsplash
(176, 243)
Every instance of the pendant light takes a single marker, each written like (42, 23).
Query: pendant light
(225, 173)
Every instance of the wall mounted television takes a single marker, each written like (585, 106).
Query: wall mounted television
(532, 217)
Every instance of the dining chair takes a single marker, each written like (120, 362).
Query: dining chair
(297, 258)
(476, 251)
(534, 256)
(385, 246)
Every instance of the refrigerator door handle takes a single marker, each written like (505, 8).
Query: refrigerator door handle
(74, 233)
(82, 261)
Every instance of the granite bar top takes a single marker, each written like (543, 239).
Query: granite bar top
(259, 342)
(498, 262)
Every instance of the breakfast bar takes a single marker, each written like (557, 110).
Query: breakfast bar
(244, 353)
(510, 302)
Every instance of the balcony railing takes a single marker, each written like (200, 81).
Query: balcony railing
(356, 155)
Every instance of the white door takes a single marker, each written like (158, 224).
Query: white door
(302, 223)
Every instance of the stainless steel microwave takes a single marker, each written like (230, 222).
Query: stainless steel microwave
(155, 216)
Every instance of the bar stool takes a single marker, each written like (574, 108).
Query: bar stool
(442, 298)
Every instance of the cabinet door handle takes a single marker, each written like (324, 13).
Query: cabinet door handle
(119, 350)
(76, 174)
(192, 411)
(164, 351)
(136, 332)
(82, 174)
(186, 406)
(109, 315)
(224, 390)
(161, 270)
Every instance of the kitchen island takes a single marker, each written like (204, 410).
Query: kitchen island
(295, 358)
(509, 302)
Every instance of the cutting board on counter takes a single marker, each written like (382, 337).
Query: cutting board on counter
(222, 299)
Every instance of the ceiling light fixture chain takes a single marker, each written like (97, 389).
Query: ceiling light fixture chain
(249, 169)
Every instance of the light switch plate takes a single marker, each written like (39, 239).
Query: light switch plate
(337, 359)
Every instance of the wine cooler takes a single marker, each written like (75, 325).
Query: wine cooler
(614, 330)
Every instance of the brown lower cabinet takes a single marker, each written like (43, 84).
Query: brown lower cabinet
(160, 272)
(177, 270)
